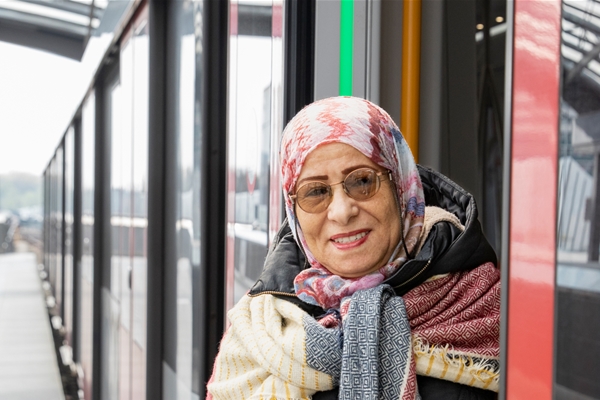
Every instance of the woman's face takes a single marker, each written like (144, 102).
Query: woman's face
(350, 238)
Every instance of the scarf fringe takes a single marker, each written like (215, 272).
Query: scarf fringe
(443, 362)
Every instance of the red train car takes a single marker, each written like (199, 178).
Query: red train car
(163, 196)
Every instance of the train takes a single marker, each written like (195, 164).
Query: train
(163, 195)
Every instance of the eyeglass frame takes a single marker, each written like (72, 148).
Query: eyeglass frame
(378, 174)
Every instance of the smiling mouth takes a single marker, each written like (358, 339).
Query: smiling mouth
(350, 239)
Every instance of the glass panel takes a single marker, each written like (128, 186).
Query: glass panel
(88, 120)
(250, 77)
(183, 335)
(111, 290)
(490, 36)
(577, 354)
(69, 200)
(121, 217)
(46, 233)
(51, 225)
(58, 229)
(128, 115)
(139, 156)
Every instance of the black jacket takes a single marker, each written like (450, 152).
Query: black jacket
(446, 249)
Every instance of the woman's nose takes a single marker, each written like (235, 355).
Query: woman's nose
(342, 207)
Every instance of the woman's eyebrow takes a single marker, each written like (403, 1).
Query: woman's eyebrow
(345, 171)
(355, 167)
(312, 178)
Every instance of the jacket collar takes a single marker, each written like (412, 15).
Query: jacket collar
(446, 248)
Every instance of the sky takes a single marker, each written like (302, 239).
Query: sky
(38, 97)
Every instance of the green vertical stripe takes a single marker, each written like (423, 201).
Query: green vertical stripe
(346, 42)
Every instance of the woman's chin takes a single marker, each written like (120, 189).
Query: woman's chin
(351, 270)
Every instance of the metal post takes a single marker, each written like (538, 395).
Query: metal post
(594, 245)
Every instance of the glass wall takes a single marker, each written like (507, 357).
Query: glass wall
(88, 146)
(255, 88)
(577, 353)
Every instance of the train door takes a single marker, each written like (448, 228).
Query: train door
(577, 292)
(553, 278)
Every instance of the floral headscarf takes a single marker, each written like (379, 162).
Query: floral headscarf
(369, 129)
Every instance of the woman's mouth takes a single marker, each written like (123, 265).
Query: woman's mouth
(349, 240)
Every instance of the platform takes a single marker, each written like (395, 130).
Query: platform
(28, 366)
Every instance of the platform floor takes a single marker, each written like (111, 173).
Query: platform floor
(28, 366)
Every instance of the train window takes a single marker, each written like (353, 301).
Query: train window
(253, 49)
(577, 352)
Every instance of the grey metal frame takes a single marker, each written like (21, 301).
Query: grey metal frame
(299, 56)
(214, 176)
(157, 17)
(77, 230)
(101, 218)
(507, 154)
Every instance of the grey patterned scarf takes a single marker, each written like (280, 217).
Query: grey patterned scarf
(372, 359)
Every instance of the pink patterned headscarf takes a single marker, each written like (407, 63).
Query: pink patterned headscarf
(369, 129)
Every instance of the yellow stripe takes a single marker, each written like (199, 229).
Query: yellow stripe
(273, 390)
(291, 369)
(303, 380)
(431, 359)
(460, 371)
(445, 368)
(287, 390)
(489, 382)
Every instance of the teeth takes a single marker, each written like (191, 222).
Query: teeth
(349, 239)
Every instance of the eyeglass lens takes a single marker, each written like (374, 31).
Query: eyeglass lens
(360, 184)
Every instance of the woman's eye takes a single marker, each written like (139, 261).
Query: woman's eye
(316, 191)
(363, 180)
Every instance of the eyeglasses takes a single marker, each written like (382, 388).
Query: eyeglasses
(360, 184)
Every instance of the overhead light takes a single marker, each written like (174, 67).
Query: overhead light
(499, 19)
(479, 27)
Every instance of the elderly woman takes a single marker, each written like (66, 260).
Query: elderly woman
(379, 285)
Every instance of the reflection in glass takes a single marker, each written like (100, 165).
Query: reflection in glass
(126, 298)
(578, 219)
(58, 229)
(251, 49)
(139, 209)
(183, 283)
(87, 240)
(69, 146)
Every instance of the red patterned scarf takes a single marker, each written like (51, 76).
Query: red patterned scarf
(455, 324)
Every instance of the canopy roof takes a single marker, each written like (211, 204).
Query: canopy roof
(58, 26)
(580, 54)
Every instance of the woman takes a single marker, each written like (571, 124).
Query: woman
(381, 284)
